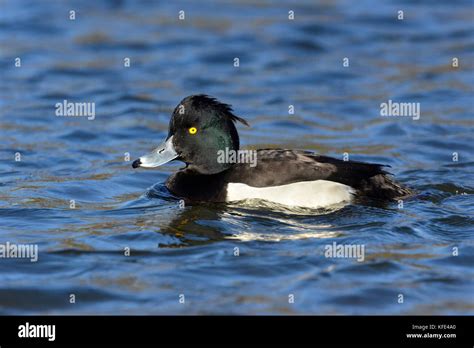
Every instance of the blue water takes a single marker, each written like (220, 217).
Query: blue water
(409, 251)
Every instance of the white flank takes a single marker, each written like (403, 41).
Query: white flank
(309, 194)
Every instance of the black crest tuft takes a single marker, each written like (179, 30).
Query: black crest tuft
(205, 102)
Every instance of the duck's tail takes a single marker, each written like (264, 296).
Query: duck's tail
(369, 179)
(382, 186)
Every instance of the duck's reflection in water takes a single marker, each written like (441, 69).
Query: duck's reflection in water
(246, 221)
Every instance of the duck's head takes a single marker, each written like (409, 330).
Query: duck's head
(199, 128)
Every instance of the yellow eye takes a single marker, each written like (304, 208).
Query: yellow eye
(192, 130)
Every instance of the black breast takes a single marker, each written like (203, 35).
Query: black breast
(192, 186)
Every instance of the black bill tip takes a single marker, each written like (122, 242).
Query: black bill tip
(136, 163)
